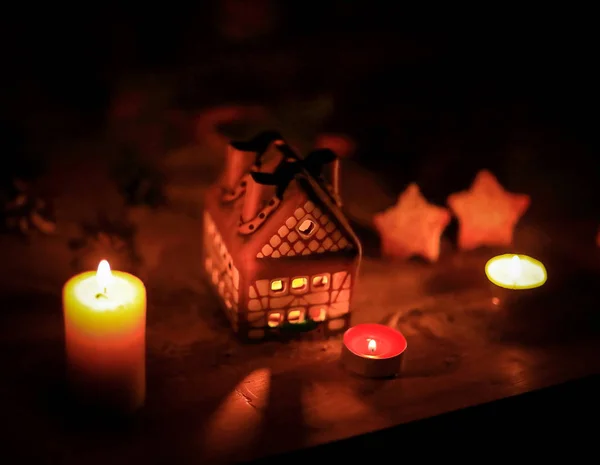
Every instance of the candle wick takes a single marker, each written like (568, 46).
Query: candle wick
(102, 295)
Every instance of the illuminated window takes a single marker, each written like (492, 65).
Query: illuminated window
(317, 313)
(296, 315)
(299, 285)
(278, 286)
(307, 227)
(321, 282)
(274, 319)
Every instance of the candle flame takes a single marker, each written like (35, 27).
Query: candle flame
(103, 275)
(515, 268)
(372, 346)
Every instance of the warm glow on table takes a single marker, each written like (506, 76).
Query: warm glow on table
(105, 332)
(516, 272)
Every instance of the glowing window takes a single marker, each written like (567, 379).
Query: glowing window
(296, 315)
(274, 319)
(317, 313)
(299, 284)
(321, 282)
(277, 285)
(307, 227)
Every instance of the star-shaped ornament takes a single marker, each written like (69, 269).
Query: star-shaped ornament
(487, 214)
(412, 227)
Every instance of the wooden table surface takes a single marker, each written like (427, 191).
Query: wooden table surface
(214, 400)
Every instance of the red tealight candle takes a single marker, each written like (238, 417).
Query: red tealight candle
(374, 351)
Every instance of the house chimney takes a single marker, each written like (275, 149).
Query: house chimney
(237, 163)
(257, 194)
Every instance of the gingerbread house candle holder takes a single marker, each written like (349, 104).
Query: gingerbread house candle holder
(278, 250)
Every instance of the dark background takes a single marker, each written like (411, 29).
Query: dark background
(431, 99)
(434, 97)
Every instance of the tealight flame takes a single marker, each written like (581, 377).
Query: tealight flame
(515, 268)
(103, 275)
(372, 346)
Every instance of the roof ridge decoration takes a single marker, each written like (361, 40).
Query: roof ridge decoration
(240, 189)
(251, 226)
(291, 165)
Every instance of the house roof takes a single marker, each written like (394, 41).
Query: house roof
(301, 190)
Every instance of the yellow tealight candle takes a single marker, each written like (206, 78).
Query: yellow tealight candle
(516, 272)
(105, 332)
(516, 280)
